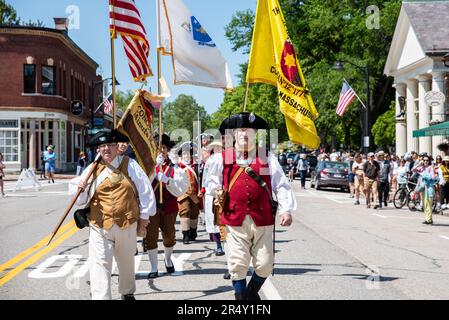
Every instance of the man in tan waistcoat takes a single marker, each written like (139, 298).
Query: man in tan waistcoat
(121, 200)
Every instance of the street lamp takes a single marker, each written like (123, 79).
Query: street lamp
(339, 66)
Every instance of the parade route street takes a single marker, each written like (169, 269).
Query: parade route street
(333, 250)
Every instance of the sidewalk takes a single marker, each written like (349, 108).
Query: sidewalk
(15, 177)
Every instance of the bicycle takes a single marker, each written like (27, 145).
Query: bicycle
(402, 196)
(414, 202)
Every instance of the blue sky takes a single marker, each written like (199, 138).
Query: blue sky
(93, 37)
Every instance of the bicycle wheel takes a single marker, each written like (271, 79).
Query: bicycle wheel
(413, 200)
(400, 198)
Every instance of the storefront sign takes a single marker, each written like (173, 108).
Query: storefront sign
(76, 108)
(14, 124)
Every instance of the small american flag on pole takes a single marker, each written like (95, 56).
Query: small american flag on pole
(108, 105)
(347, 94)
(125, 20)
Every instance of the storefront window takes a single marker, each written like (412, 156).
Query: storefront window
(9, 144)
(48, 80)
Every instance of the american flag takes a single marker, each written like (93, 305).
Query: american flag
(125, 20)
(108, 105)
(347, 94)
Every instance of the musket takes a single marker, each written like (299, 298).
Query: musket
(72, 203)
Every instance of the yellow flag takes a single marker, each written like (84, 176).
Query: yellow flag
(273, 60)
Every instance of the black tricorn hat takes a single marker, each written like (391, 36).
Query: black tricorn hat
(244, 120)
(165, 140)
(103, 137)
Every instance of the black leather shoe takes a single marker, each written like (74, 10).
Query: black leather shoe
(192, 234)
(428, 222)
(169, 269)
(186, 238)
(128, 297)
(240, 296)
(152, 275)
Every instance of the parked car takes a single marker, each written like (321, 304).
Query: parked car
(330, 174)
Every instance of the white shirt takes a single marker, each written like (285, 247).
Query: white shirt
(279, 182)
(178, 185)
(147, 201)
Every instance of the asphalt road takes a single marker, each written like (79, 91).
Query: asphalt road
(333, 250)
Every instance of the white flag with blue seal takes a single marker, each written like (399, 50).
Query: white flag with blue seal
(196, 58)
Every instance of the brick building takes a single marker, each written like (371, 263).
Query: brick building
(42, 71)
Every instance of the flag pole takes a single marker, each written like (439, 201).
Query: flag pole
(159, 89)
(245, 101)
(113, 36)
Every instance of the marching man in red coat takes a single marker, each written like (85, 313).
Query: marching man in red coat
(251, 177)
(174, 183)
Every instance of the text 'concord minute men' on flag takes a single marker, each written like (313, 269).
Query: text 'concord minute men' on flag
(273, 60)
(125, 20)
(346, 97)
(196, 58)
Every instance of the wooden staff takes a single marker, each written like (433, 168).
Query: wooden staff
(113, 36)
(94, 167)
(245, 101)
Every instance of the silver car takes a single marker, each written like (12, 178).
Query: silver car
(330, 174)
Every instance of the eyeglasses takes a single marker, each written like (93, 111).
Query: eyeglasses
(109, 145)
(425, 160)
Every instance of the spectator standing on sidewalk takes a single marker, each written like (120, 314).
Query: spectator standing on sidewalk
(303, 166)
(290, 168)
(2, 174)
(357, 170)
(351, 175)
(43, 176)
(81, 163)
(50, 163)
(443, 172)
(371, 170)
(384, 176)
(426, 185)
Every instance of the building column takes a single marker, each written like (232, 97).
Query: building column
(401, 126)
(412, 119)
(438, 113)
(425, 143)
(32, 146)
(56, 143)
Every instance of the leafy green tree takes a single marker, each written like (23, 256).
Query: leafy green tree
(123, 99)
(8, 14)
(324, 31)
(182, 114)
(384, 130)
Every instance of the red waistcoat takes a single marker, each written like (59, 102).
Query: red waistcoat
(170, 202)
(246, 196)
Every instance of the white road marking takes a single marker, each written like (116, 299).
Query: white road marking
(72, 260)
(268, 288)
(379, 215)
(178, 263)
(444, 237)
(270, 291)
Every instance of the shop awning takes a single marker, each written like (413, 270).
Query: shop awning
(441, 129)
